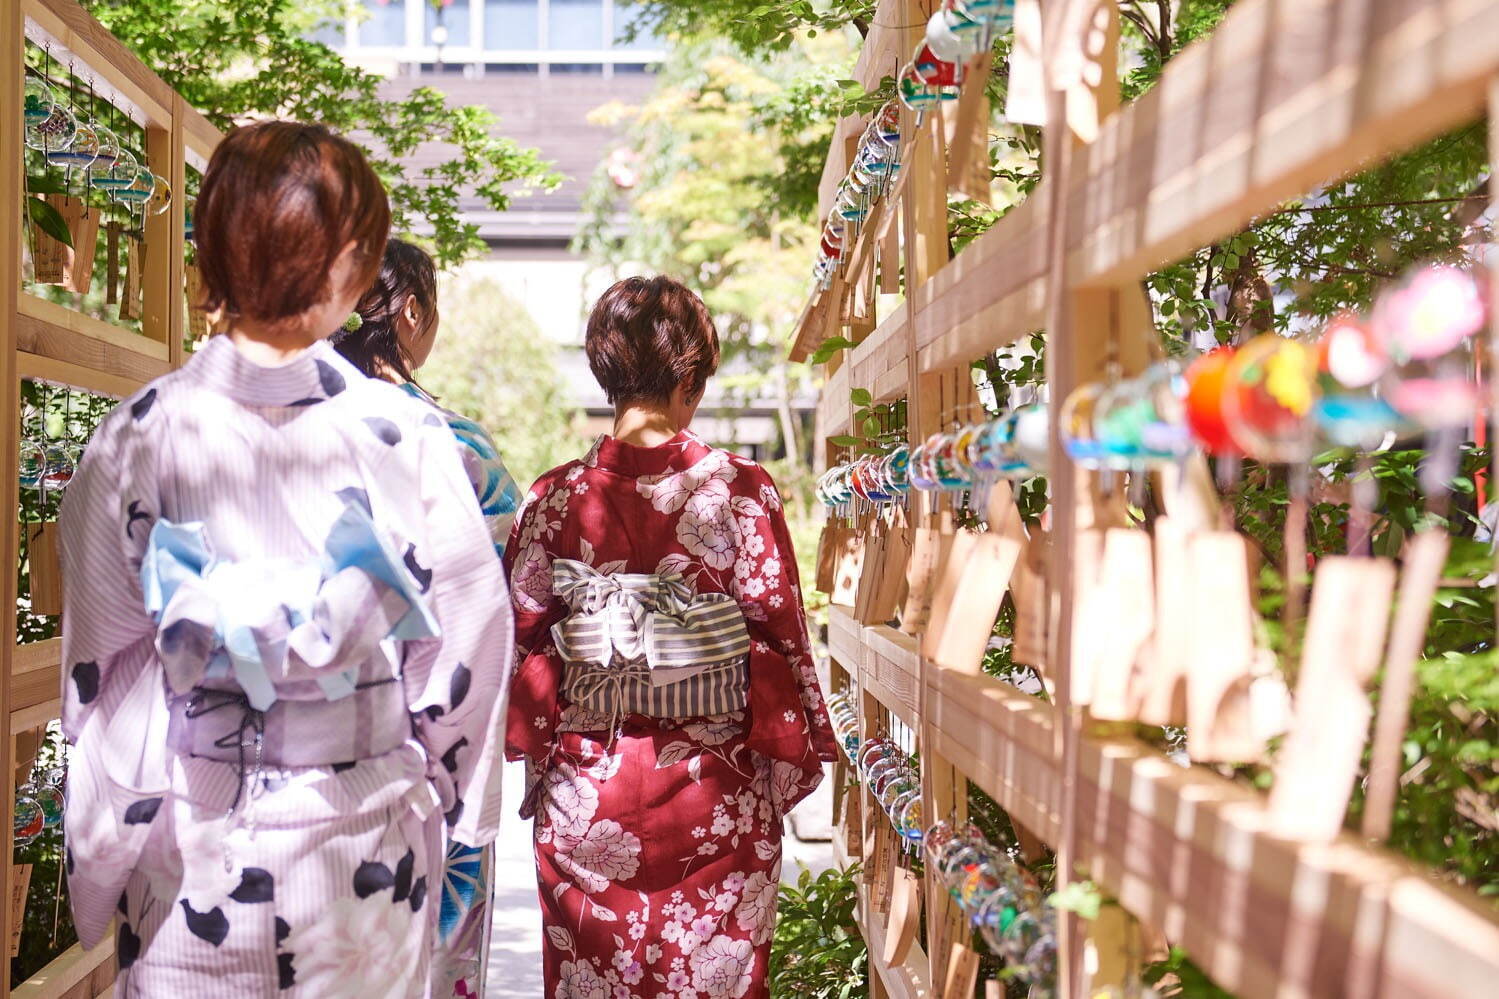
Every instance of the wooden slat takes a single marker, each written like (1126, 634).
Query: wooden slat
(12, 191)
(199, 136)
(1002, 740)
(833, 405)
(991, 294)
(36, 677)
(891, 671)
(1280, 98)
(65, 971)
(76, 35)
(62, 373)
(50, 330)
(879, 362)
(1186, 850)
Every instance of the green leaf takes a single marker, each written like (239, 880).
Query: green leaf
(46, 185)
(843, 440)
(49, 220)
(861, 397)
(828, 348)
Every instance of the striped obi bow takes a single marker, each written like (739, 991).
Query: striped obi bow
(644, 643)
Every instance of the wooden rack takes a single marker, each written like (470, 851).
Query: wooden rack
(1280, 98)
(50, 342)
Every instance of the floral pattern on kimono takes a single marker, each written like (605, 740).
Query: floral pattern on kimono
(658, 842)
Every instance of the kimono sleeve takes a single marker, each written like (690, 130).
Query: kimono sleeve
(105, 523)
(788, 719)
(535, 701)
(456, 685)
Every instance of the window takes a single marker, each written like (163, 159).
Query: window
(624, 16)
(575, 24)
(386, 24)
(455, 18)
(511, 25)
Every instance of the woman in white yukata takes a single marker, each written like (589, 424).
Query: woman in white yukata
(395, 334)
(285, 628)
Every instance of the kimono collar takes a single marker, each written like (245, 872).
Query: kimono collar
(313, 376)
(678, 454)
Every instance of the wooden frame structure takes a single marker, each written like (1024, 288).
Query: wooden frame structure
(49, 342)
(1281, 97)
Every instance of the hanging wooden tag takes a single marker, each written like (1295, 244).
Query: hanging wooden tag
(905, 915)
(891, 591)
(1221, 651)
(968, 153)
(962, 973)
(1319, 760)
(869, 574)
(850, 567)
(884, 863)
(828, 544)
(197, 319)
(927, 551)
(1031, 612)
(83, 226)
(890, 258)
(1087, 564)
(1425, 558)
(130, 297)
(1164, 656)
(1120, 626)
(46, 570)
(49, 257)
(1025, 97)
(852, 832)
(20, 885)
(949, 576)
(112, 263)
(983, 579)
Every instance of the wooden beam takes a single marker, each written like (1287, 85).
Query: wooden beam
(12, 191)
(120, 77)
(1280, 98)
(50, 330)
(66, 971)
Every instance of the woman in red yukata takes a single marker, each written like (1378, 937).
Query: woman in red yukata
(665, 696)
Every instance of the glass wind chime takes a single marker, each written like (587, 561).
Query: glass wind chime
(99, 172)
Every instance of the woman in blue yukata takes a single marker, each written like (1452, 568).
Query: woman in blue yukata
(396, 331)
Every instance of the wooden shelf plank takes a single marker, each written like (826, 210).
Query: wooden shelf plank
(1278, 99)
(891, 671)
(833, 404)
(36, 676)
(879, 362)
(990, 295)
(49, 330)
(65, 971)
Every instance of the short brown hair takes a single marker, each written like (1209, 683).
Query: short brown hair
(279, 202)
(646, 336)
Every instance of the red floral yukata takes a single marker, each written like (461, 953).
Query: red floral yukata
(658, 844)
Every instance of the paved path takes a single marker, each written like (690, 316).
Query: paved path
(515, 947)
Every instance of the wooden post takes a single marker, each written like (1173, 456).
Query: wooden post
(1079, 323)
(12, 72)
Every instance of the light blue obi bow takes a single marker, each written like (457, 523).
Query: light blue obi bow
(645, 616)
(270, 619)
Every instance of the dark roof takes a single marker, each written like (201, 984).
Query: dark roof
(549, 113)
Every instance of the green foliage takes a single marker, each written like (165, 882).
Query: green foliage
(41, 213)
(235, 60)
(756, 27)
(817, 951)
(1176, 977)
(493, 364)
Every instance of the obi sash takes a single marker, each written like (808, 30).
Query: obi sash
(643, 643)
(229, 635)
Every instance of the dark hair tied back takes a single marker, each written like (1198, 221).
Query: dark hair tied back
(375, 347)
